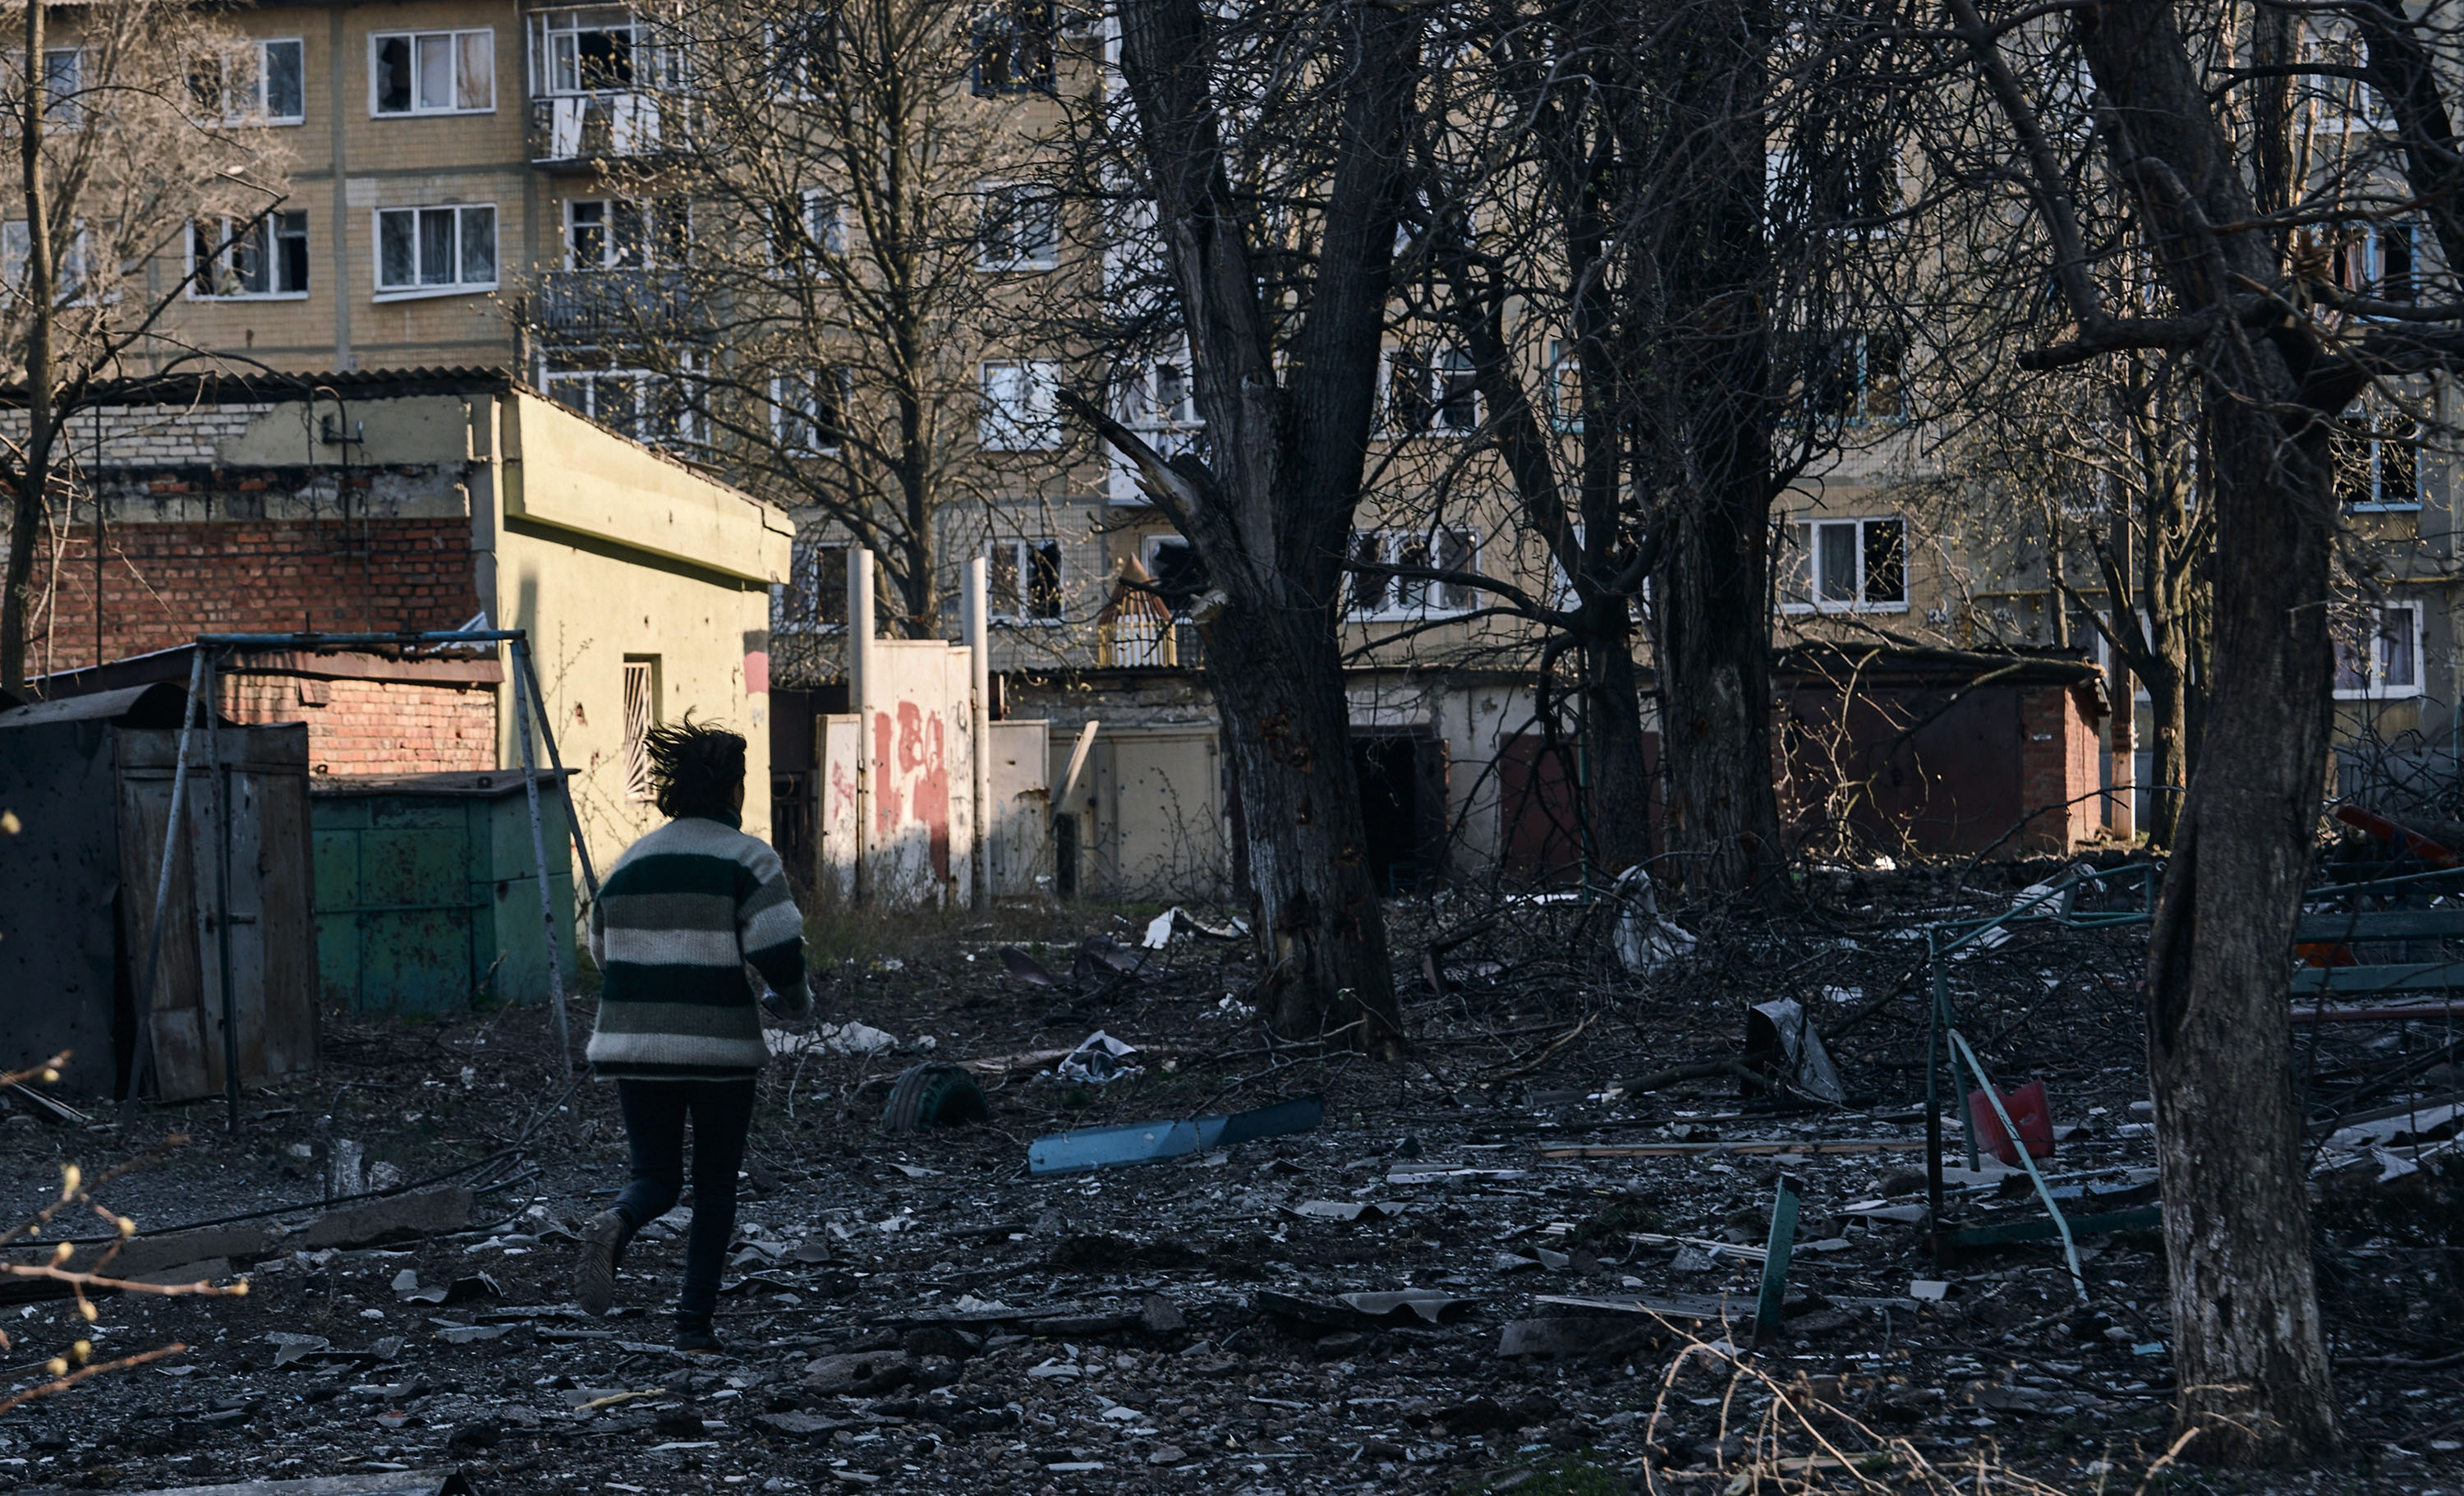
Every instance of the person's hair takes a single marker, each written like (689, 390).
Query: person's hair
(694, 768)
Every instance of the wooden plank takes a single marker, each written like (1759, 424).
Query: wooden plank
(1836, 1145)
(176, 1030)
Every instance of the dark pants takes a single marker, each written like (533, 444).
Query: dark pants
(655, 1124)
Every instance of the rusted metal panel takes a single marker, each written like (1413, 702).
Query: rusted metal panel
(1904, 768)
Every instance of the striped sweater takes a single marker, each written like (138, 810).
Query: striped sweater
(680, 915)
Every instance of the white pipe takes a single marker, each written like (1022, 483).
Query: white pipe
(979, 727)
(860, 683)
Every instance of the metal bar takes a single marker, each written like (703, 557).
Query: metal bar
(529, 674)
(1933, 1081)
(547, 891)
(222, 891)
(143, 1057)
(1836, 1145)
(860, 686)
(980, 729)
(2044, 1192)
(2140, 1218)
(1783, 1237)
(2378, 1015)
(326, 640)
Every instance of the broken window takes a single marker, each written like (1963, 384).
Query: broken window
(415, 72)
(1024, 582)
(599, 50)
(641, 714)
(1014, 47)
(1021, 405)
(1431, 392)
(1390, 572)
(2378, 654)
(808, 411)
(814, 598)
(2378, 460)
(626, 234)
(1020, 228)
(1178, 575)
(235, 259)
(1845, 566)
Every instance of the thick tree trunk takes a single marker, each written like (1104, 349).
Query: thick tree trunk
(2247, 1347)
(1712, 601)
(2168, 742)
(1620, 767)
(1312, 901)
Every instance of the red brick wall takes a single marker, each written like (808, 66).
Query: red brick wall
(374, 726)
(163, 583)
(2057, 771)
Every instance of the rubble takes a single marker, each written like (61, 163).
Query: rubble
(1468, 1271)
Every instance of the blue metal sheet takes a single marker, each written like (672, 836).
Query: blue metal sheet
(1150, 1142)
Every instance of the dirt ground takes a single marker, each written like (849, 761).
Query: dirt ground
(921, 1313)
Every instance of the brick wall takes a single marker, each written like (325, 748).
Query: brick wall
(374, 726)
(163, 583)
(2058, 777)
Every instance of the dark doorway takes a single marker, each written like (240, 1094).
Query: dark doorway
(1402, 807)
(795, 773)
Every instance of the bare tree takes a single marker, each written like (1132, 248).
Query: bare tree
(2165, 132)
(1268, 150)
(133, 135)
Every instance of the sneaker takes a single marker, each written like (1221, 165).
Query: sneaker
(698, 1340)
(594, 1276)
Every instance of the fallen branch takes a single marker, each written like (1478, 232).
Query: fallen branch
(62, 1384)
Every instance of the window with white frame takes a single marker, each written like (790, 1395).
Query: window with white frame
(599, 50)
(1019, 227)
(445, 251)
(69, 272)
(641, 714)
(808, 411)
(814, 598)
(2378, 654)
(415, 72)
(1846, 566)
(262, 80)
(2376, 260)
(64, 87)
(1023, 582)
(236, 258)
(823, 219)
(1382, 563)
(2338, 98)
(625, 233)
(1431, 392)
(1158, 396)
(1021, 405)
(2378, 460)
(1565, 385)
(1854, 379)
(650, 408)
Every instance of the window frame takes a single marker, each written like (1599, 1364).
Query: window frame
(656, 68)
(812, 560)
(1811, 547)
(783, 414)
(421, 290)
(2376, 687)
(226, 54)
(1024, 38)
(997, 431)
(1433, 370)
(634, 730)
(273, 230)
(658, 226)
(2374, 426)
(1047, 259)
(1023, 551)
(1391, 543)
(690, 429)
(453, 38)
(64, 108)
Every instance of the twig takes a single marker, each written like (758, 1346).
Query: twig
(64, 1383)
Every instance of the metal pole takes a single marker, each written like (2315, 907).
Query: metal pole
(144, 1054)
(2044, 1192)
(859, 628)
(556, 762)
(222, 891)
(979, 726)
(539, 855)
(1933, 1084)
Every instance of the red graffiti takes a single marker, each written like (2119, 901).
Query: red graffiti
(932, 801)
(885, 798)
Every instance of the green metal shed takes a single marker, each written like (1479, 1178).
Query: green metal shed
(426, 890)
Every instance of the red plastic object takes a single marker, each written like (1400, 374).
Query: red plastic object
(2388, 832)
(2029, 1113)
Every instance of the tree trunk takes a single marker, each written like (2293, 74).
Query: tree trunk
(1710, 408)
(2168, 742)
(35, 472)
(1319, 925)
(1620, 763)
(2247, 1347)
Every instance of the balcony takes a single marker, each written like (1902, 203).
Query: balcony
(576, 132)
(597, 306)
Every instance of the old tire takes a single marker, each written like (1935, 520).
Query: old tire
(936, 1093)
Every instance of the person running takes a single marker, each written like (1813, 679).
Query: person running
(681, 914)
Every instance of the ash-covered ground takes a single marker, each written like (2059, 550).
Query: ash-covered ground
(920, 1314)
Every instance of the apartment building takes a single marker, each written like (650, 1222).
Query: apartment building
(474, 184)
